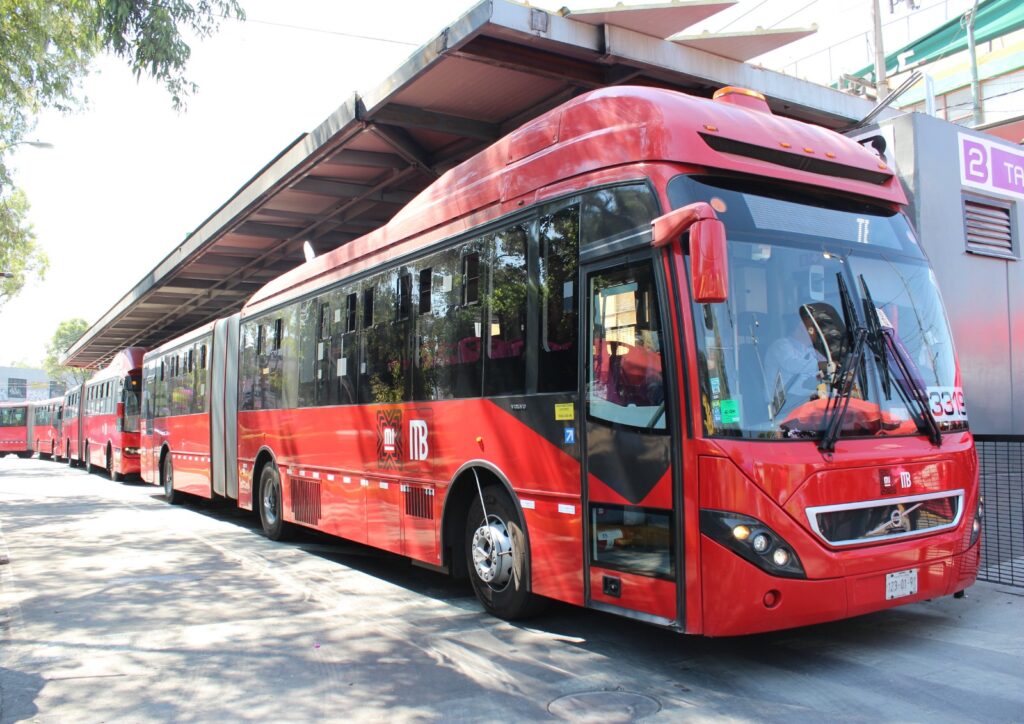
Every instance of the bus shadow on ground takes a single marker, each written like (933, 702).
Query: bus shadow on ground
(258, 645)
(571, 622)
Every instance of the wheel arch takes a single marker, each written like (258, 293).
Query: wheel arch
(461, 492)
(264, 456)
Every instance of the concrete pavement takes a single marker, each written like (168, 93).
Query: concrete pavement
(115, 606)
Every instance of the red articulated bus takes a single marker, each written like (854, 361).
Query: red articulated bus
(15, 429)
(176, 442)
(46, 427)
(70, 445)
(108, 427)
(673, 358)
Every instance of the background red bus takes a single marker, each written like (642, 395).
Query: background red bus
(176, 444)
(71, 427)
(15, 429)
(563, 370)
(46, 426)
(109, 421)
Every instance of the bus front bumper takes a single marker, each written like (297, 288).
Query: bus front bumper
(739, 598)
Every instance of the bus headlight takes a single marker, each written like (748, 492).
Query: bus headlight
(979, 515)
(753, 541)
(131, 451)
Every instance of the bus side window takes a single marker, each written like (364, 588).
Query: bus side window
(559, 302)
(625, 382)
(437, 333)
(507, 304)
(310, 350)
(345, 344)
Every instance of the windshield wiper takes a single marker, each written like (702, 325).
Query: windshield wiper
(884, 345)
(877, 339)
(843, 381)
(843, 377)
(852, 320)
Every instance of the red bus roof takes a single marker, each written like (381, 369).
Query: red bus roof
(614, 126)
(125, 361)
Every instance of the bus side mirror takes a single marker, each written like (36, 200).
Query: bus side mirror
(119, 415)
(709, 261)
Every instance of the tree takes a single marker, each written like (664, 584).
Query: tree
(68, 332)
(46, 51)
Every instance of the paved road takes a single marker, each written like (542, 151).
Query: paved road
(117, 607)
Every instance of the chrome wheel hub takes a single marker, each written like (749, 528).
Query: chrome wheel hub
(492, 553)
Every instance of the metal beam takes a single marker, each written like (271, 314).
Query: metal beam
(395, 114)
(347, 190)
(371, 159)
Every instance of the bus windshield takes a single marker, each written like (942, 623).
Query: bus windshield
(800, 270)
(132, 391)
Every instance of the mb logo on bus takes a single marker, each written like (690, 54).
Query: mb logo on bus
(419, 449)
(389, 439)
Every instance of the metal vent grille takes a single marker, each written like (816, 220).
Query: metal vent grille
(419, 502)
(305, 495)
(987, 227)
(873, 521)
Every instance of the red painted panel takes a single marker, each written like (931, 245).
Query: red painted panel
(734, 596)
(639, 593)
(383, 515)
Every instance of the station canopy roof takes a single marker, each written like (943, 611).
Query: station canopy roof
(496, 67)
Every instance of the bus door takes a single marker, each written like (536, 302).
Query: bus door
(632, 534)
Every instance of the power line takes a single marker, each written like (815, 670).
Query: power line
(795, 12)
(740, 17)
(331, 32)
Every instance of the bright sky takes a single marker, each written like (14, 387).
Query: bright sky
(128, 178)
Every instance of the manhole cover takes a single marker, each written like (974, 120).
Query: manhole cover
(604, 706)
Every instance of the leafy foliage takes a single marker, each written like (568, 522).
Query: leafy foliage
(67, 333)
(46, 49)
(19, 253)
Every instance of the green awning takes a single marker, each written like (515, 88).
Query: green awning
(995, 19)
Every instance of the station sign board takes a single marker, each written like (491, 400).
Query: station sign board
(991, 166)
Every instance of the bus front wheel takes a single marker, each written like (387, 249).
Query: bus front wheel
(271, 505)
(497, 556)
(111, 470)
(171, 495)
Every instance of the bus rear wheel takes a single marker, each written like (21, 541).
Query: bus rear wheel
(111, 470)
(497, 556)
(171, 495)
(271, 504)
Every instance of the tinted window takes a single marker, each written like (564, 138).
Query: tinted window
(449, 338)
(505, 369)
(557, 332)
(625, 383)
(617, 213)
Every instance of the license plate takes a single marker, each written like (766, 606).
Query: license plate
(900, 584)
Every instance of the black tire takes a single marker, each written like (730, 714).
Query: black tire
(114, 475)
(70, 460)
(500, 570)
(171, 495)
(271, 504)
(87, 461)
(24, 455)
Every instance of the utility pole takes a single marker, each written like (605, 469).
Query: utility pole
(976, 113)
(881, 84)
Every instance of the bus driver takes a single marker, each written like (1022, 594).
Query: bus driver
(792, 363)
